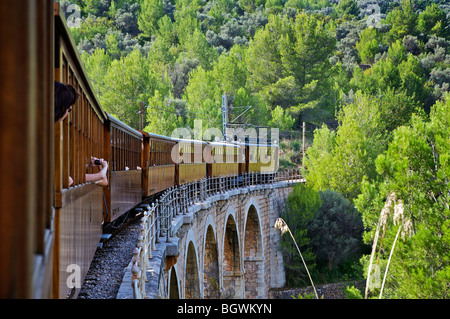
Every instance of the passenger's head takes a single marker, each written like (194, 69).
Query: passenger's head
(66, 95)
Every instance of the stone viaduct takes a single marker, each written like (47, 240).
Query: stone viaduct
(224, 247)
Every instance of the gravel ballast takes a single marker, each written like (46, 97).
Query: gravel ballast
(107, 269)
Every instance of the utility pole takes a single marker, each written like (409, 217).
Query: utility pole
(224, 115)
(304, 141)
(141, 116)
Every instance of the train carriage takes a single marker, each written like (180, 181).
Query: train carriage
(158, 167)
(262, 157)
(26, 149)
(123, 148)
(225, 158)
(191, 164)
(78, 207)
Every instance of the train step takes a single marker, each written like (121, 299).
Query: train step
(105, 237)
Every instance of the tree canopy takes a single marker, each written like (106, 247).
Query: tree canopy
(295, 60)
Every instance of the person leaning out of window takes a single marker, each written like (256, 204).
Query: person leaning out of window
(66, 96)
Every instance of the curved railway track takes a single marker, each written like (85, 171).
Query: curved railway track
(112, 256)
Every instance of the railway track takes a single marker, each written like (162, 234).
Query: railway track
(110, 230)
(113, 254)
(107, 268)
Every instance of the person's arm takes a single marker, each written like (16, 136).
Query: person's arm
(99, 178)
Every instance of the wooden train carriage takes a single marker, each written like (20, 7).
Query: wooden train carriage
(124, 150)
(158, 167)
(191, 165)
(226, 158)
(78, 208)
(26, 147)
(263, 158)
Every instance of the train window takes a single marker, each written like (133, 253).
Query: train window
(160, 151)
(126, 150)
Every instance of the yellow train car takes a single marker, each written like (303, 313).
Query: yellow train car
(190, 164)
(158, 167)
(263, 158)
(226, 158)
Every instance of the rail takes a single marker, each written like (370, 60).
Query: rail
(157, 217)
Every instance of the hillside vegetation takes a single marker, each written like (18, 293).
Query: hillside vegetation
(291, 61)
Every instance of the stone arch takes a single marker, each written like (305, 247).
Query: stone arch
(211, 276)
(231, 265)
(174, 290)
(191, 276)
(253, 254)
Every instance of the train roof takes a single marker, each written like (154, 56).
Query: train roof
(223, 143)
(185, 140)
(257, 144)
(218, 143)
(161, 137)
(124, 126)
(173, 139)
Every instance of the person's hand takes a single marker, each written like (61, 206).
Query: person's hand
(92, 162)
(103, 164)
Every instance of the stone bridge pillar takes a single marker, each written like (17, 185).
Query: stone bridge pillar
(253, 253)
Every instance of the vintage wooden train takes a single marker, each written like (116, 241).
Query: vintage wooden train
(50, 230)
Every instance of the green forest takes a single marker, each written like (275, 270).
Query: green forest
(371, 80)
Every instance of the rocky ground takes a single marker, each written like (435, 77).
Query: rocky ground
(107, 269)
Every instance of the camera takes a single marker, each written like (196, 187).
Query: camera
(97, 162)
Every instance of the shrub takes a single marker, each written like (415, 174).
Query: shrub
(336, 230)
(328, 229)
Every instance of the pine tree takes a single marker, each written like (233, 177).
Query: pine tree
(151, 12)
